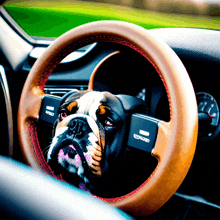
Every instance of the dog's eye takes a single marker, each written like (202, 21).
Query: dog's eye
(109, 123)
(63, 115)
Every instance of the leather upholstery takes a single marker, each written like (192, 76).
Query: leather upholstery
(176, 141)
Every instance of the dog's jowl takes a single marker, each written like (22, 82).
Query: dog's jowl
(89, 144)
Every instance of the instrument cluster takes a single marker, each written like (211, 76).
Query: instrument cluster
(208, 111)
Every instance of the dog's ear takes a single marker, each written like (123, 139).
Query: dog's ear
(68, 100)
(70, 107)
(75, 95)
(133, 104)
(68, 94)
(72, 95)
(73, 106)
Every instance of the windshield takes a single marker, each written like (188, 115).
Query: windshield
(48, 18)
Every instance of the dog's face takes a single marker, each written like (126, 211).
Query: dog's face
(89, 138)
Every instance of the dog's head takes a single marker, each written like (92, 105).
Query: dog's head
(90, 136)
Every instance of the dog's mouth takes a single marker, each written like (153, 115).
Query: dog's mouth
(69, 156)
(75, 161)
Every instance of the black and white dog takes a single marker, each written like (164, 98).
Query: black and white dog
(89, 147)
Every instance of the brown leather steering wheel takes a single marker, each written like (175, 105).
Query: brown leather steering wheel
(176, 139)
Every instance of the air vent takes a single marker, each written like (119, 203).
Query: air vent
(62, 90)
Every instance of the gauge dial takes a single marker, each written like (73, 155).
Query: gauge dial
(208, 105)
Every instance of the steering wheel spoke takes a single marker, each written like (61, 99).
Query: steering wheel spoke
(149, 134)
(143, 132)
(49, 109)
(163, 138)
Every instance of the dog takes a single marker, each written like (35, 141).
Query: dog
(89, 147)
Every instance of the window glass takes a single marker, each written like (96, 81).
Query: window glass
(51, 18)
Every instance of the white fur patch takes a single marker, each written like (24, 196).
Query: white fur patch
(89, 103)
(92, 138)
(55, 139)
(60, 131)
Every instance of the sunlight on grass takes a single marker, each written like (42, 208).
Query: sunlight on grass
(51, 19)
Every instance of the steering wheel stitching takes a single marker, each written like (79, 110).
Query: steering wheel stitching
(175, 141)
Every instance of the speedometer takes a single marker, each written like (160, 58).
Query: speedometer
(208, 114)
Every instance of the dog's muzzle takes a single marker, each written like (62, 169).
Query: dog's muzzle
(78, 146)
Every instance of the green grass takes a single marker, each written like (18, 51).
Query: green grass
(53, 18)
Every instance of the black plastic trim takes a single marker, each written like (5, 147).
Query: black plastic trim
(143, 132)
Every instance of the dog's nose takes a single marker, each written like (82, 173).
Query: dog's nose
(79, 127)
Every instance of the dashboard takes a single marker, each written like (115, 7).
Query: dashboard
(121, 70)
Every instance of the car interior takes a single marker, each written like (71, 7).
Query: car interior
(173, 70)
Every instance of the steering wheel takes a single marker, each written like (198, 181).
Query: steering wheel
(175, 140)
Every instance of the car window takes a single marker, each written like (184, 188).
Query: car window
(43, 18)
